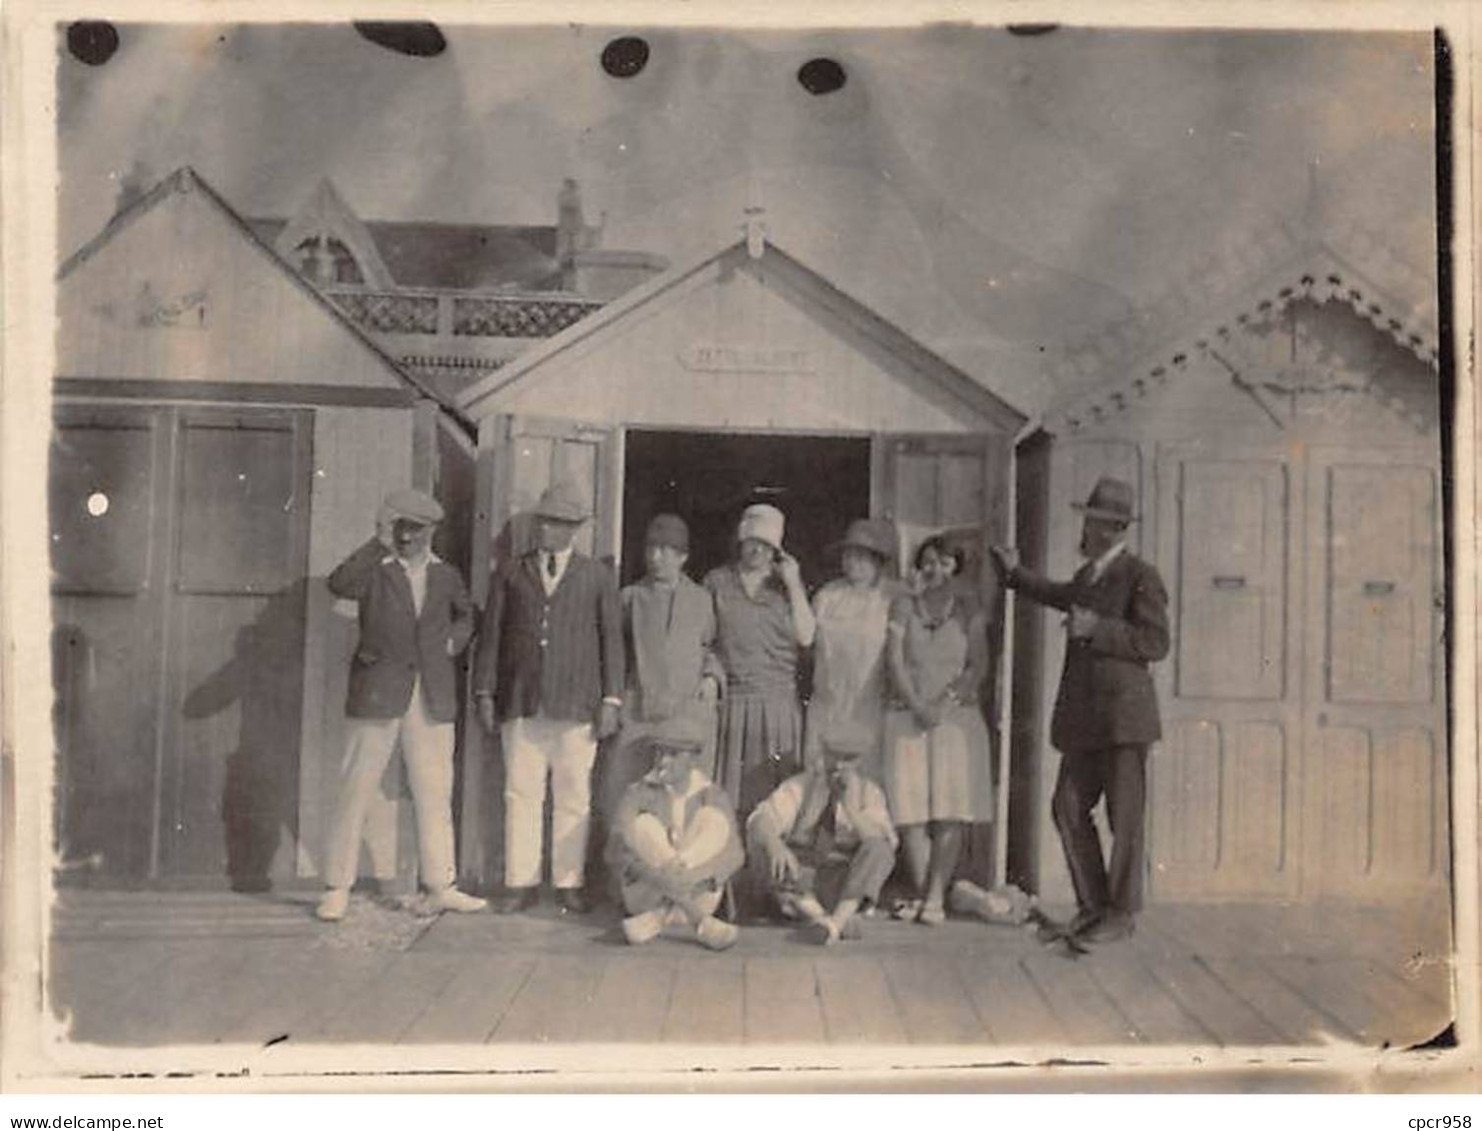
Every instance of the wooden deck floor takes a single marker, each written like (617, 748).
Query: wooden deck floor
(140, 970)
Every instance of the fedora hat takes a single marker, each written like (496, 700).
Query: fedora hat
(763, 522)
(1110, 499)
(564, 502)
(877, 535)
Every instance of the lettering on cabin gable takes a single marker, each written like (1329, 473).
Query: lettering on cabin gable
(185, 311)
(745, 359)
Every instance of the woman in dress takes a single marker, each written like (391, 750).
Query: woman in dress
(762, 619)
(938, 773)
(849, 645)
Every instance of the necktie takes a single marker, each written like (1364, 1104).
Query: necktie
(550, 566)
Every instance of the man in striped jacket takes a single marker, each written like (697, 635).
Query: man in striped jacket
(549, 673)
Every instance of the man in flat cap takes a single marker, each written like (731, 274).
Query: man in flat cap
(674, 841)
(823, 842)
(415, 617)
(1106, 712)
(673, 672)
(549, 673)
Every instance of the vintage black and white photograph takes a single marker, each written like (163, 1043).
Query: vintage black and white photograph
(714, 542)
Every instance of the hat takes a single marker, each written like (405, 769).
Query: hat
(1110, 499)
(413, 506)
(564, 502)
(850, 740)
(668, 530)
(763, 522)
(877, 535)
(677, 733)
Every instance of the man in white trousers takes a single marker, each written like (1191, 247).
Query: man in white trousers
(549, 674)
(415, 617)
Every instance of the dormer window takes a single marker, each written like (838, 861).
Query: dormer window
(327, 262)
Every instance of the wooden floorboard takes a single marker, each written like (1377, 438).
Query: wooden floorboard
(162, 1010)
(472, 1004)
(555, 1003)
(781, 1002)
(1218, 1010)
(1161, 1019)
(306, 992)
(858, 1005)
(385, 1010)
(95, 983)
(706, 1002)
(1320, 984)
(1086, 1014)
(1008, 1003)
(631, 1001)
(935, 1006)
(1293, 1017)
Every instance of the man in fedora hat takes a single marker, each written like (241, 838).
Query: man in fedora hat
(415, 617)
(1106, 713)
(823, 842)
(549, 672)
(674, 841)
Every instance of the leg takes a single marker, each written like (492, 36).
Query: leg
(368, 749)
(427, 749)
(1126, 799)
(526, 759)
(946, 847)
(1078, 787)
(571, 796)
(918, 855)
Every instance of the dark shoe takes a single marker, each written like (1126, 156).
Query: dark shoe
(1113, 928)
(515, 900)
(1085, 920)
(572, 900)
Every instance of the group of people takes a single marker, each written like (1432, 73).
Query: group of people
(711, 759)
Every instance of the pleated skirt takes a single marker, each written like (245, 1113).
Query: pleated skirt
(760, 745)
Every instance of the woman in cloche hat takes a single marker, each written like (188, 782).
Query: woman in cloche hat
(849, 645)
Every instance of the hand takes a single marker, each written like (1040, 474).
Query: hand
(607, 721)
(384, 520)
(486, 712)
(789, 570)
(785, 867)
(1082, 623)
(1005, 559)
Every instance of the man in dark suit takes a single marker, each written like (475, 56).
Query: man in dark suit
(415, 617)
(1106, 713)
(549, 672)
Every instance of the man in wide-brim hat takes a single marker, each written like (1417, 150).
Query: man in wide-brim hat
(549, 674)
(1106, 712)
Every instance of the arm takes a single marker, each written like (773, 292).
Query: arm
(770, 821)
(461, 630)
(610, 634)
(710, 665)
(352, 577)
(1143, 633)
(486, 657)
(968, 685)
(900, 672)
(1057, 594)
(803, 624)
(707, 837)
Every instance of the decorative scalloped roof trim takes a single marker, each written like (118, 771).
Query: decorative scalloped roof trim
(485, 364)
(1323, 283)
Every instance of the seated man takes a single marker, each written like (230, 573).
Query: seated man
(825, 837)
(674, 842)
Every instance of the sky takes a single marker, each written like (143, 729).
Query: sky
(993, 194)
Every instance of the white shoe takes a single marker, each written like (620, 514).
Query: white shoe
(333, 905)
(642, 928)
(451, 899)
(716, 934)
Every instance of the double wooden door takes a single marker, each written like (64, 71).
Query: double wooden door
(1304, 701)
(179, 547)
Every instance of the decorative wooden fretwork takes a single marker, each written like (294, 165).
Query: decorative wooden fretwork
(491, 316)
(392, 313)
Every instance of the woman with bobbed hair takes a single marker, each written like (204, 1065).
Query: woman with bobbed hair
(938, 769)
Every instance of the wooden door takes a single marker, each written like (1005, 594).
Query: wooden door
(1376, 705)
(1224, 815)
(541, 450)
(957, 485)
(179, 548)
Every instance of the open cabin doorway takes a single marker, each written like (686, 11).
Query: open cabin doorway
(707, 478)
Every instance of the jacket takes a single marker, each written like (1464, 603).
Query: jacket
(1106, 695)
(396, 644)
(554, 657)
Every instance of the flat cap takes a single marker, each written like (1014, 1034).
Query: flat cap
(414, 506)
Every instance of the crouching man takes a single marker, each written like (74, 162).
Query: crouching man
(823, 841)
(674, 842)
